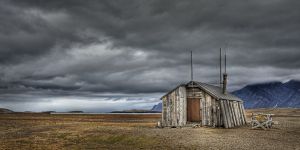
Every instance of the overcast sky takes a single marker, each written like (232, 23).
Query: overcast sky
(99, 56)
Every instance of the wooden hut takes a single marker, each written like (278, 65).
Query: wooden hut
(204, 104)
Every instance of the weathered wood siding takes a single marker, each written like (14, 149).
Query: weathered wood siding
(174, 108)
(218, 113)
(233, 114)
(209, 107)
(213, 112)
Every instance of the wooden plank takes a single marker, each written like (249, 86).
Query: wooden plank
(200, 107)
(221, 116)
(175, 107)
(241, 113)
(166, 119)
(169, 110)
(217, 112)
(208, 109)
(166, 111)
(228, 113)
(163, 117)
(202, 101)
(204, 110)
(237, 114)
(214, 113)
(180, 107)
(172, 109)
(219, 124)
(224, 116)
(233, 113)
(184, 105)
(193, 92)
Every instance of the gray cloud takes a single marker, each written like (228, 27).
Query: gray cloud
(143, 46)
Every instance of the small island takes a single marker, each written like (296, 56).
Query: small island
(135, 111)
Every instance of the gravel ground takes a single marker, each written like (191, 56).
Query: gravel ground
(40, 131)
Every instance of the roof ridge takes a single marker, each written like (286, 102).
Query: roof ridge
(214, 91)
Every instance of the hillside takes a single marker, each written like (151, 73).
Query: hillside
(5, 111)
(272, 94)
(157, 107)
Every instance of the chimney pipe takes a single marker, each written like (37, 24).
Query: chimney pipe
(225, 77)
(224, 83)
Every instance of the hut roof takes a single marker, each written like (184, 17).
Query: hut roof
(214, 91)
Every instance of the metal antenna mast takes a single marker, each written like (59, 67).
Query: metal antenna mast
(191, 65)
(225, 62)
(220, 67)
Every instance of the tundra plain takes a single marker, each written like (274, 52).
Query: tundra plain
(127, 131)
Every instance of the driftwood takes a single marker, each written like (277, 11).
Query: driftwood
(261, 120)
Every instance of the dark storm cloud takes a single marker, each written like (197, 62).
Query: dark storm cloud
(143, 46)
(27, 33)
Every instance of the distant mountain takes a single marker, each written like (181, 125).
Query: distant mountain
(76, 111)
(136, 111)
(5, 111)
(272, 94)
(266, 95)
(157, 107)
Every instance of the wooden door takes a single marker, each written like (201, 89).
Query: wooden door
(193, 110)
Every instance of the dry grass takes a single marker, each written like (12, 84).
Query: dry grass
(291, 112)
(43, 131)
